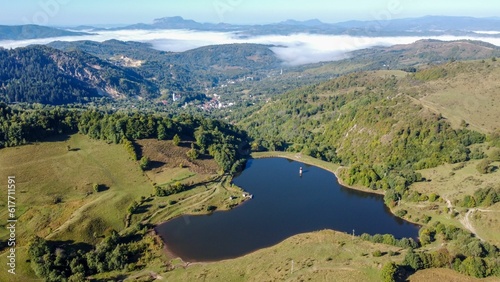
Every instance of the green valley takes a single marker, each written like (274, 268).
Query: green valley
(103, 152)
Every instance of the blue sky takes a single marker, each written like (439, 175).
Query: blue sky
(98, 12)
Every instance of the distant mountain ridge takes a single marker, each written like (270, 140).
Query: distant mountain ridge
(423, 26)
(313, 22)
(23, 32)
(84, 70)
(428, 25)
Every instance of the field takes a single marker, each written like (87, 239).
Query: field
(55, 192)
(319, 256)
(55, 196)
(452, 185)
(457, 99)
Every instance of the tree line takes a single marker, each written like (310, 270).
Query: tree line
(224, 142)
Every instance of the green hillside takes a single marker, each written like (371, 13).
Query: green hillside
(40, 74)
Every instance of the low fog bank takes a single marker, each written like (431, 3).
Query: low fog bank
(295, 49)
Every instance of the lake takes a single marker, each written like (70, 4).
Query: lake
(284, 204)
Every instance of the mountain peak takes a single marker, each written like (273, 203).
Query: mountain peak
(176, 19)
(313, 22)
(176, 22)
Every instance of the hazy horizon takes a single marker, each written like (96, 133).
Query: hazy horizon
(299, 48)
(115, 12)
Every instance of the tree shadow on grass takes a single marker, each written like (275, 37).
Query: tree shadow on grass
(142, 209)
(54, 138)
(155, 164)
(102, 188)
(494, 168)
(117, 277)
(202, 157)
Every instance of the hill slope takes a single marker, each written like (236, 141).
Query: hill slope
(381, 121)
(46, 75)
(23, 32)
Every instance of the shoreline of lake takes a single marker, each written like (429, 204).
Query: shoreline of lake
(331, 167)
(326, 166)
(268, 213)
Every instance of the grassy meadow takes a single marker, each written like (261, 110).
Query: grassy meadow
(318, 256)
(55, 196)
(55, 192)
(457, 97)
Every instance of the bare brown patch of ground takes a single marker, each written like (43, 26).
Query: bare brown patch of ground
(164, 154)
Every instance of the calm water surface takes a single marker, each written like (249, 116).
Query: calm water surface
(284, 205)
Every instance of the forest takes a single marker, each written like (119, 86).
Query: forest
(41, 74)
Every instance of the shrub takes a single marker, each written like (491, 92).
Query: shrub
(176, 140)
(389, 272)
(57, 200)
(413, 260)
(133, 207)
(377, 253)
(401, 213)
(484, 167)
(495, 155)
(473, 266)
(193, 154)
(433, 197)
(426, 219)
(144, 163)
(476, 154)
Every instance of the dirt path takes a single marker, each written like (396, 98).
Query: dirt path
(465, 220)
(468, 225)
(215, 192)
(78, 214)
(180, 210)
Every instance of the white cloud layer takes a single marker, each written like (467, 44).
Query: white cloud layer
(295, 49)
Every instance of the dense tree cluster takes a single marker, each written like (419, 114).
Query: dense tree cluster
(70, 263)
(225, 143)
(483, 197)
(389, 239)
(18, 127)
(170, 189)
(472, 256)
